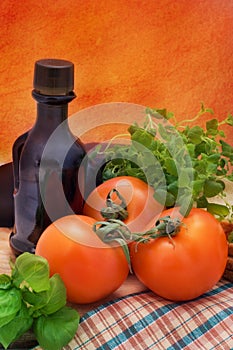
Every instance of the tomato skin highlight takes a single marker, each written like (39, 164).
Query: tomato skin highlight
(90, 269)
(139, 196)
(188, 265)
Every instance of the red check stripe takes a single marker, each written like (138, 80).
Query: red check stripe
(145, 321)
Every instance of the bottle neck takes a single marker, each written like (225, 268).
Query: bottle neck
(50, 116)
(51, 110)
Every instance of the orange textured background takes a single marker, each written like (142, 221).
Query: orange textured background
(159, 53)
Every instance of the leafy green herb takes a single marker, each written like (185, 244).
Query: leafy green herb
(185, 164)
(31, 276)
(10, 304)
(20, 324)
(230, 237)
(30, 299)
(5, 281)
(47, 329)
(56, 296)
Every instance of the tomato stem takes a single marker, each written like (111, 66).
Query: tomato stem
(114, 210)
(164, 227)
(113, 229)
(116, 230)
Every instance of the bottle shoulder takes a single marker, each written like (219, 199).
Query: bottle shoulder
(21, 139)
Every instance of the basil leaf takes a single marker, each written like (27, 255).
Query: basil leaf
(185, 178)
(56, 330)
(197, 186)
(218, 209)
(47, 302)
(227, 150)
(171, 166)
(229, 120)
(142, 137)
(212, 127)
(214, 158)
(212, 188)
(56, 296)
(35, 301)
(10, 304)
(170, 200)
(195, 135)
(173, 188)
(5, 281)
(21, 323)
(202, 202)
(32, 272)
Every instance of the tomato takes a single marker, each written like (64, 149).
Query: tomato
(139, 197)
(89, 268)
(187, 265)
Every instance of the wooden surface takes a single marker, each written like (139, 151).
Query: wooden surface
(5, 251)
(131, 285)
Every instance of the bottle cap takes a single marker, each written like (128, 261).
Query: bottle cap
(53, 77)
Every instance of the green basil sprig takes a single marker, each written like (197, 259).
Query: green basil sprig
(30, 299)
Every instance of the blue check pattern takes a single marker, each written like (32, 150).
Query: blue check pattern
(144, 321)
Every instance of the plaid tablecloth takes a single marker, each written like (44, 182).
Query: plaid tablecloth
(145, 321)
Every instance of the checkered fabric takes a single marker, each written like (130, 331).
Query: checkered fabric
(145, 321)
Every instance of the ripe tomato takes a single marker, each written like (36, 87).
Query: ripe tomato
(89, 268)
(139, 197)
(188, 265)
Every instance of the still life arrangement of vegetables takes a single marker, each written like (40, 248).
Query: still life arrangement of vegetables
(154, 215)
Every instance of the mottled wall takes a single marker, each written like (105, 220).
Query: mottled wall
(158, 53)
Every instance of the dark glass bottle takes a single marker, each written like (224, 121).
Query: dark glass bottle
(47, 159)
(6, 195)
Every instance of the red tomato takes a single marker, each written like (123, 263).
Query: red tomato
(89, 268)
(188, 265)
(139, 197)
